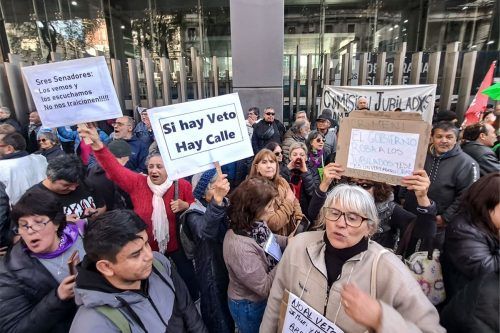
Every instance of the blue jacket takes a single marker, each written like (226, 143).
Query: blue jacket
(72, 135)
(137, 161)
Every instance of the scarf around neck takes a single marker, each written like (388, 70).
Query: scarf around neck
(260, 233)
(68, 238)
(159, 217)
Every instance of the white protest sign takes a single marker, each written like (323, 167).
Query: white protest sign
(409, 98)
(391, 153)
(192, 136)
(300, 317)
(73, 92)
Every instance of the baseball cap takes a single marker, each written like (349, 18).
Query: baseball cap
(120, 148)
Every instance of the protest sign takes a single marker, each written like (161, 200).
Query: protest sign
(73, 92)
(192, 136)
(296, 316)
(382, 146)
(342, 100)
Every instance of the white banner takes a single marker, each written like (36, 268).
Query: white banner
(192, 136)
(73, 92)
(409, 98)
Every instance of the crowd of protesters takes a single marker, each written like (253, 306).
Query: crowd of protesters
(95, 236)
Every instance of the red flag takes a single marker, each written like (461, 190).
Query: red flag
(478, 105)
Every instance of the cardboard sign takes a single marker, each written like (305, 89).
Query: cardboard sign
(382, 146)
(73, 92)
(297, 316)
(342, 100)
(192, 136)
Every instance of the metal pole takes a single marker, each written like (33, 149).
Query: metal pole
(416, 67)
(165, 78)
(215, 73)
(116, 71)
(380, 75)
(450, 73)
(399, 61)
(467, 74)
(134, 84)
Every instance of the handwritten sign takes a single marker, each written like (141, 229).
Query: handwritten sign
(409, 98)
(72, 92)
(382, 146)
(192, 136)
(379, 151)
(301, 318)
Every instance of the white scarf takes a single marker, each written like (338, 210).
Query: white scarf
(159, 217)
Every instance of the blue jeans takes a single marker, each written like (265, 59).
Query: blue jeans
(247, 315)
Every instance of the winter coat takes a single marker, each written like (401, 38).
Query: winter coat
(20, 172)
(166, 300)
(142, 132)
(261, 136)
(28, 296)
(469, 252)
(4, 217)
(73, 136)
(286, 214)
(247, 265)
(484, 156)
(302, 271)
(450, 175)
(114, 197)
(207, 228)
(475, 308)
(51, 153)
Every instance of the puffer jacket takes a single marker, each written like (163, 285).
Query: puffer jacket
(469, 252)
(302, 271)
(165, 306)
(28, 297)
(450, 175)
(288, 140)
(206, 227)
(485, 157)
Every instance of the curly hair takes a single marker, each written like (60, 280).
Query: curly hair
(248, 201)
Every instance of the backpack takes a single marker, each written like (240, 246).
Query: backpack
(185, 236)
(116, 316)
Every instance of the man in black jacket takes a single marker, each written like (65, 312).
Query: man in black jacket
(121, 282)
(450, 170)
(268, 130)
(480, 138)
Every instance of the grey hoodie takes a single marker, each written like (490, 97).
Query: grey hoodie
(162, 305)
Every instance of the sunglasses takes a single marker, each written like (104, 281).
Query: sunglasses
(319, 140)
(277, 153)
(364, 186)
(270, 113)
(42, 140)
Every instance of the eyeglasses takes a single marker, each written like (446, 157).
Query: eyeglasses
(42, 140)
(277, 153)
(38, 226)
(118, 124)
(364, 186)
(319, 140)
(351, 219)
(270, 113)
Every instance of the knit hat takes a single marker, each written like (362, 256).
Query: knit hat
(201, 182)
(120, 148)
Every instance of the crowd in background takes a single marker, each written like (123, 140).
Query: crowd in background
(218, 251)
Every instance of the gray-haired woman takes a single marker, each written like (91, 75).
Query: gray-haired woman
(331, 271)
(49, 145)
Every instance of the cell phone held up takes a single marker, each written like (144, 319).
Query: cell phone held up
(72, 262)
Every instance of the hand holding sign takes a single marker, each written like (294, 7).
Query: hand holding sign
(419, 183)
(361, 307)
(330, 172)
(220, 188)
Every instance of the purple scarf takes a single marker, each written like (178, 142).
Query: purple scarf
(69, 237)
(316, 158)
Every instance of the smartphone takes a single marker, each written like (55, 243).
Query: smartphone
(86, 216)
(72, 262)
(303, 226)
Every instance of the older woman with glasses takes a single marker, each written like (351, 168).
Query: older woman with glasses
(393, 219)
(49, 145)
(331, 271)
(36, 285)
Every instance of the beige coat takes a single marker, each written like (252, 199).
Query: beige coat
(286, 214)
(405, 308)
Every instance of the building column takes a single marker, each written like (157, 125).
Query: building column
(257, 37)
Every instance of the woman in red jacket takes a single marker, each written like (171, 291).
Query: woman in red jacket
(152, 196)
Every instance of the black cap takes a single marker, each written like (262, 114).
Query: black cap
(120, 148)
